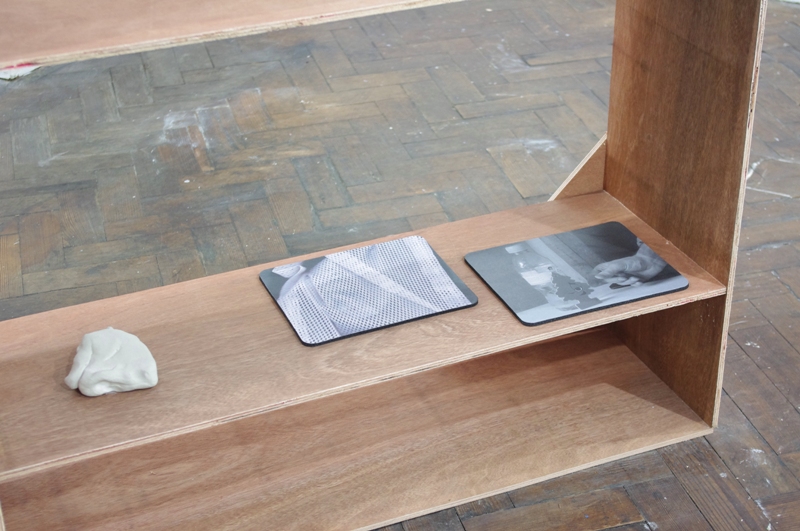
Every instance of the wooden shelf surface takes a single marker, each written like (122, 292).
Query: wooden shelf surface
(225, 351)
(375, 455)
(53, 31)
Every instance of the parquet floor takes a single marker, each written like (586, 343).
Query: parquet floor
(127, 173)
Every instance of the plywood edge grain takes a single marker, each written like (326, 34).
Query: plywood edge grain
(588, 176)
(759, 44)
(43, 46)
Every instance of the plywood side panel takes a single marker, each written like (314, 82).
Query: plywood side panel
(680, 118)
(682, 346)
(54, 31)
(588, 177)
(375, 455)
(681, 90)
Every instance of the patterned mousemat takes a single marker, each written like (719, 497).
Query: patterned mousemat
(575, 272)
(364, 289)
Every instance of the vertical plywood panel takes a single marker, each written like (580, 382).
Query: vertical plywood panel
(682, 345)
(680, 118)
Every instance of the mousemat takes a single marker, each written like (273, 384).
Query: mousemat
(553, 277)
(364, 289)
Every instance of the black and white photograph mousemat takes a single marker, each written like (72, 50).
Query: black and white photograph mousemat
(365, 289)
(554, 277)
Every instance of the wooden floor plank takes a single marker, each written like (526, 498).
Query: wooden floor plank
(753, 462)
(578, 139)
(589, 109)
(484, 506)
(249, 111)
(162, 67)
(758, 285)
(440, 521)
(414, 185)
(782, 311)
(382, 210)
(765, 407)
(9, 225)
(745, 315)
(81, 219)
(352, 160)
(790, 277)
(586, 512)
(291, 205)
(522, 170)
(125, 248)
(193, 57)
(665, 505)
(6, 157)
(50, 300)
(30, 140)
(41, 243)
(712, 487)
(783, 510)
(10, 267)
(507, 105)
(321, 182)
(622, 473)
(65, 123)
(774, 356)
(460, 205)
(130, 85)
(59, 279)
(99, 104)
(258, 231)
(219, 248)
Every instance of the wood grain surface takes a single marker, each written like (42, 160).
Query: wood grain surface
(224, 348)
(678, 151)
(683, 345)
(677, 144)
(49, 31)
(345, 462)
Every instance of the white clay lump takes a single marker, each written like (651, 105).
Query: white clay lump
(111, 361)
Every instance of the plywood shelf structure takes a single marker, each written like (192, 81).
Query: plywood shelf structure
(388, 425)
(50, 31)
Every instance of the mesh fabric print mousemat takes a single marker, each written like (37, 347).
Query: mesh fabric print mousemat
(553, 277)
(364, 289)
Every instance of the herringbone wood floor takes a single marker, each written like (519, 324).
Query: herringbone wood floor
(131, 172)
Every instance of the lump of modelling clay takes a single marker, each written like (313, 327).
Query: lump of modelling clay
(111, 361)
